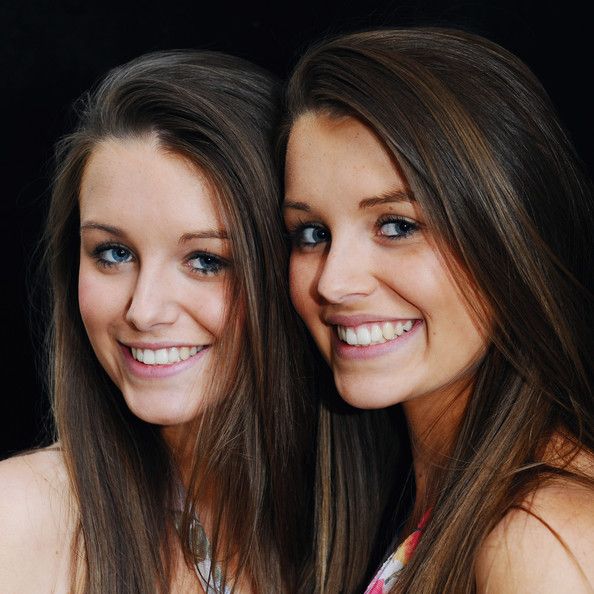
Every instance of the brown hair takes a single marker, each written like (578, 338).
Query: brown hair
(218, 112)
(500, 184)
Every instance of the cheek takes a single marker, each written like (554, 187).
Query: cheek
(92, 305)
(425, 282)
(102, 300)
(208, 307)
(416, 279)
(450, 319)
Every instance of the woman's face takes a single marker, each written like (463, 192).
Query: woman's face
(153, 262)
(365, 274)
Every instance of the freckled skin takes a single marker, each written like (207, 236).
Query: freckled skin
(332, 165)
(155, 296)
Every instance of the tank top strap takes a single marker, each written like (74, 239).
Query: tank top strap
(388, 572)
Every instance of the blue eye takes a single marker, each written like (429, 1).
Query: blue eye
(310, 235)
(112, 255)
(397, 228)
(207, 264)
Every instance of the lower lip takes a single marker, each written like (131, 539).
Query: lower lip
(346, 351)
(159, 371)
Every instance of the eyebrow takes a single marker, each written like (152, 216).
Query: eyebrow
(385, 198)
(99, 226)
(206, 234)
(296, 205)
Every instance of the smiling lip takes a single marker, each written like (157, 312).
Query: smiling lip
(142, 371)
(358, 319)
(347, 351)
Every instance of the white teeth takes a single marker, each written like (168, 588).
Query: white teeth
(388, 330)
(376, 334)
(365, 335)
(172, 355)
(161, 357)
(351, 337)
(138, 354)
(164, 356)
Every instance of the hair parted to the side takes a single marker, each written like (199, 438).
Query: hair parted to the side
(219, 113)
(502, 189)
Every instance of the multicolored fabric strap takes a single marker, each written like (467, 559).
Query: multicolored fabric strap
(388, 572)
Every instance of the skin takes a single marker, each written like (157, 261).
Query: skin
(550, 555)
(153, 263)
(152, 240)
(362, 254)
(36, 524)
(38, 520)
(376, 262)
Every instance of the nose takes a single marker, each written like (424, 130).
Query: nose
(153, 301)
(346, 273)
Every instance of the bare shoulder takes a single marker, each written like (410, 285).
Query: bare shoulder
(36, 522)
(546, 547)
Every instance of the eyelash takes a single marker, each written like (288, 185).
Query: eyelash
(296, 234)
(388, 220)
(106, 247)
(213, 265)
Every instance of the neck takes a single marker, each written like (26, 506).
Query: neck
(181, 445)
(176, 438)
(432, 424)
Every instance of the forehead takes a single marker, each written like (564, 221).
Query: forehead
(137, 180)
(329, 154)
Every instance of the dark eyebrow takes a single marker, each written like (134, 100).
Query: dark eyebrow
(208, 234)
(107, 228)
(296, 205)
(387, 197)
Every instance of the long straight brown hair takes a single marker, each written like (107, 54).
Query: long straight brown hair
(511, 207)
(219, 113)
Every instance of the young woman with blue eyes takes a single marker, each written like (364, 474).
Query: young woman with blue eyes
(441, 230)
(174, 373)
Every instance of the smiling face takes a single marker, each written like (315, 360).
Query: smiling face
(365, 274)
(153, 264)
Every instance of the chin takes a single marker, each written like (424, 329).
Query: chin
(165, 410)
(368, 395)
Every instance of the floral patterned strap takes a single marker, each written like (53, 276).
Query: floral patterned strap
(388, 572)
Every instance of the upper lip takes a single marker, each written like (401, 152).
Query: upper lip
(358, 319)
(155, 346)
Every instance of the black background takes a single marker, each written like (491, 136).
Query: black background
(52, 51)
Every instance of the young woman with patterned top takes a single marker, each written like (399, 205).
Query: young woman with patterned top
(174, 364)
(441, 230)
